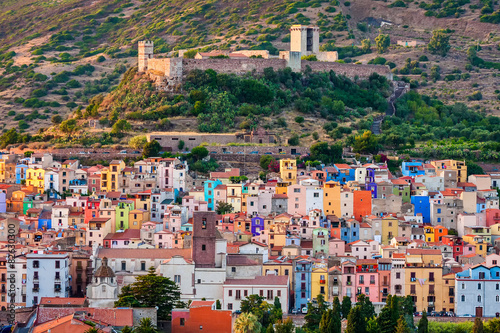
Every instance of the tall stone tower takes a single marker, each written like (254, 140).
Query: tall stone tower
(145, 51)
(304, 39)
(204, 238)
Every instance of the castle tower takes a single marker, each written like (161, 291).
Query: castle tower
(204, 239)
(145, 51)
(103, 291)
(304, 39)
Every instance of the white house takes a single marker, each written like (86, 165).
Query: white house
(60, 216)
(268, 286)
(47, 276)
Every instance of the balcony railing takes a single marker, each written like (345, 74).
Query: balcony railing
(322, 281)
(36, 290)
(349, 283)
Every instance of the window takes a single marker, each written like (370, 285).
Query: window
(36, 264)
(412, 289)
(238, 294)
(398, 275)
(124, 266)
(143, 266)
(203, 247)
(431, 276)
(463, 285)
(204, 223)
(270, 294)
(245, 293)
(58, 264)
(182, 321)
(463, 298)
(479, 298)
(497, 299)
(481, 275)
(233, 269)
(278, 293)
(479, 286)
(230, 293)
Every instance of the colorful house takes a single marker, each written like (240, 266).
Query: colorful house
(422, 206)
(367, 279)
(319, 280)
(331, 198)
(303, 276)
(21, 173)
(36, 177)
(208, 189)
(288, 171)
(122, 214)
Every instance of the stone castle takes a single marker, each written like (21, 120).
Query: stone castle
(167, 73)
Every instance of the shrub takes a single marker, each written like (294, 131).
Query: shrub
(299, 120)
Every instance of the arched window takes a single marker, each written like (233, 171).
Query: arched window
(463, 298)
(479, 298)
(497, 298)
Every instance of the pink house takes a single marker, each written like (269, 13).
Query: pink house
(336, 247)
(194, 205)
(367, 279)
(360, 250)
(349, 280)
(469, 249)
(492, 217)
(220, 194)
(297, 200)
(164, 239)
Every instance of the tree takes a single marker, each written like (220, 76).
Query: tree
(473, 169)
(120, 126)
(56, 119)
(315, 313)
(325, 325)
(284, 326)
(402, 327)
(68, 126)
(138, 142)
(190, 54)
(218, 305)
(367, 308)
(385, 320)
(152, 148)
(346, 306)
(439, 43)
(294, 140)
(276, 312)
(478, 326)
(28, 153)
(265, 160)
(146, 326)
(366, 45)
(223, 208)
(166, 294)
(372, 325)
(247, 323)
(199, 152)
(181, 144)
(423, 324)
(382, 42)
(355, 321)
(365, 143)
(127, 329)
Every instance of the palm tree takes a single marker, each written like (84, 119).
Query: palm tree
(146, 326)
(247, 323)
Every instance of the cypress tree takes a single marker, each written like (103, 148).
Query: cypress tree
(326, 322)
(346, 306)
(355, 321)
(478, 326)
(401, 326)
(423, 324)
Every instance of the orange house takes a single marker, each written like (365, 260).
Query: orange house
(439, 232)
(362, 204)
(201, 317)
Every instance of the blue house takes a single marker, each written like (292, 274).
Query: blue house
(481, 205)
(423, 206)
(349, 230)
(21, 172)
(3, 202)
(208, 189)
(412, 169)
(45, 219)
(303, 270)
(257, 225)
(341, 173)
(370, 184)
(292, 240)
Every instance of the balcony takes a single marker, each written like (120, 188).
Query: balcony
(431, 303)
(362, 282)
(431, 292)
(57, 290)
(79, 268)
(35, 290)
(322, 281)
(349, 283)
(372, 281)
(35, 278)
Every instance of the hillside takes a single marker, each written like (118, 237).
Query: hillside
(56, 56)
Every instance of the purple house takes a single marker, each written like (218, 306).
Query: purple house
(257, 225)
(370, 184)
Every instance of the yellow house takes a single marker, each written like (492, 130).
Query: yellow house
(449, 292)
(458, 166)
(288, 171)
(8, 169)
(36, 177)
(281, 188)
(331, 198)
(424, 279)
(429, 233)
(110, 176)
(277, 236)
(479, 242)
(390, 229)
(2, 171)
(234, 196)
(135, 218)
(319, 280)
(281, 266)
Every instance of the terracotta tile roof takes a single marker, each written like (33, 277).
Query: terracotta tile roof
(197, 304)
(423, 252)
(48, 301)
(240, 260)
(114, 317)
(143, 253)
(398, 256)
(399, 182)
(127, 234)
(343, 166)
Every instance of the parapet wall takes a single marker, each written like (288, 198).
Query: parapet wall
(232, 66)
(349, 70)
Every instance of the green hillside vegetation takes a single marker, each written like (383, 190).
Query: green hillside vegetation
(217, 99)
